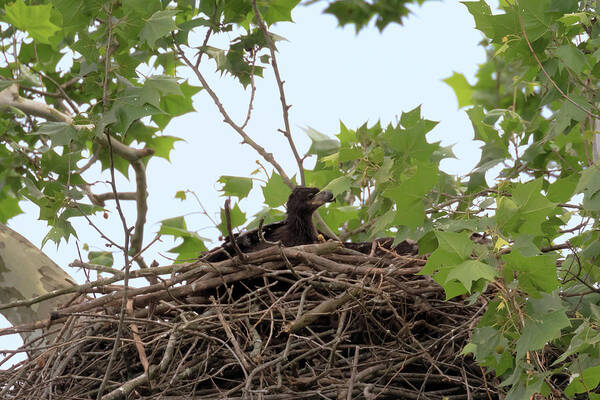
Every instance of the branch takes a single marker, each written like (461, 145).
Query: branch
(246, 139)
(10, 97)
(284, 106)
(141, 193)
(100, 199)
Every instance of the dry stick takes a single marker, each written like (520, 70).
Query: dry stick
(139, 345)
(284, 106)
(125, 389)
(118, 276)
(325, 308)
(353, 374)
(150, 292)
(189, 270)
(236, 345)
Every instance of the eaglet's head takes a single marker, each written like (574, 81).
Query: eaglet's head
(305, 200)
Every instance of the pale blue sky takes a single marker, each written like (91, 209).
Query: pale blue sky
(331, 74)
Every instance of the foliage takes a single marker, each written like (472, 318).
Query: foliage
(534, 195)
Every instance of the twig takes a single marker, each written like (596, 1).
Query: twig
(353, 376)
(127, 233)
(284, 106)
(231, 337)
(246, 139)
(252, 93)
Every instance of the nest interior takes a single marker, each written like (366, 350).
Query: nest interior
(322, 321)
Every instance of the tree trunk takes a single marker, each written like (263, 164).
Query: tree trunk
(26, 272)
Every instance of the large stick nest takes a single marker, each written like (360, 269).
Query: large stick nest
(309, 322)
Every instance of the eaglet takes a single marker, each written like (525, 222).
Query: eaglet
(296, 229)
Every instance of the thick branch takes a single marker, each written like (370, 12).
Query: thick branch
(137, 238)
(10, 97)
(100, 199)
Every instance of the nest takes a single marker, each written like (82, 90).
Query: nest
(319, 321)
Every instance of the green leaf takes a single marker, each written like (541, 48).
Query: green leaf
(541, 330)
(321, 143)
(237, 218)
(162, 145)
(339, 185)
(33, 19)
(533, 208)
(412, 141)
(277, 10)
(562, 189)
(470, 271)
(236, 186)
(174, 227)
(269, 214)
(584, 382)
(411, 211)
(349, 154)
(484, 345)
(382, 222)
(411, 118)
(276, 192)
(459, 244)
(585, 336)
(409, 195)
(350, 12)
(589, 185)
(143, 8)
(160, 24)
(533, 273)
(462, 89)
(60, 133)
(101, 258)
(190, 249)
(62, 229)
(572, 57)
(192, 244)
(9, 207)
(453, 248)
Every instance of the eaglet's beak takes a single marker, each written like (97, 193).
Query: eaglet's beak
(324, 196)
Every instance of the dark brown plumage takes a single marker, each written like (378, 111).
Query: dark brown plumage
(296, 229)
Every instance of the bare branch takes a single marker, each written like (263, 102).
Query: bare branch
(246, 139)
(284, 106)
